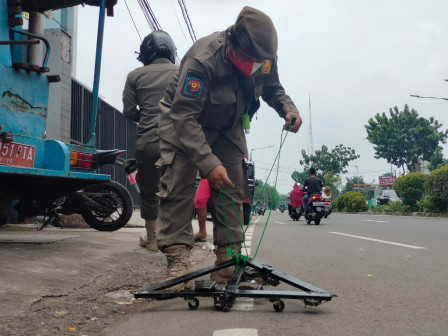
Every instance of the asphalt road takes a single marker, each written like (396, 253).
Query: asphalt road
(390, 275)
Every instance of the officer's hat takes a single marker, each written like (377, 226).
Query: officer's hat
(256, 34)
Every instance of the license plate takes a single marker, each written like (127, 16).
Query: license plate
(17, 154)
(318, 203)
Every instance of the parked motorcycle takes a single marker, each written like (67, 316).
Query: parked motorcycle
(296, 213)
(315, 209)
(105, 206)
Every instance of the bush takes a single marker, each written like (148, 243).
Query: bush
(351, 201)
(390, 207)
(410, 188)
(436, 188)
(427, 205)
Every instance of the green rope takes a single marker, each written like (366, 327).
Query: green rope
(277, 159)
(239, 257)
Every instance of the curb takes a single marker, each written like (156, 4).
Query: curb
(409, 214)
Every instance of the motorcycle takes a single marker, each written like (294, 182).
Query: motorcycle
(327, 207)
(105, 206)
(261, 210)
(315, 210)
(296, 213)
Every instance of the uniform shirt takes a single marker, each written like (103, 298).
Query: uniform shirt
(207, 98)
(144, 88)
(313, 184)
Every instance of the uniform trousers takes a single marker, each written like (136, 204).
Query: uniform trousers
(177, 189)
(148, 179)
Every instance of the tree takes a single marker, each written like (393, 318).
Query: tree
(410, 188)
(437, 161)
(404, 137)
(299, 177)
(331, 162)
(351, 181)
(267, 195)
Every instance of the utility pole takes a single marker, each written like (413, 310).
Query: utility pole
(310, 129)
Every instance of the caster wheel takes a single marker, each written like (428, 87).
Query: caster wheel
(279, 306)
(193, 304)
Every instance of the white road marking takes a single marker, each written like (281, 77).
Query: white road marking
(258, 219)
(279, 223)
(377, 221)
(381, 241)
(236, 332)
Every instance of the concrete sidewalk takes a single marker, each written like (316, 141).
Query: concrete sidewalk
(57, 279)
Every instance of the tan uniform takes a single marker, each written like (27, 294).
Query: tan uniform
(200, 129)
(144, 88)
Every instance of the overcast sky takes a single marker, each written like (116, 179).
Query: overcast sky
(353, 58)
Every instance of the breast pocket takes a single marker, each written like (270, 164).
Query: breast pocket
(223, 95)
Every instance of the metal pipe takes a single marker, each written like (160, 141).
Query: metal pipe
(36, 27)
(96, 81)
(47, 44)
(13, 42)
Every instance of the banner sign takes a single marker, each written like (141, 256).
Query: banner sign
(386, 180)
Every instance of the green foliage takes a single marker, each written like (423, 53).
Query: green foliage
(390, 207)
(404, 137)
(267, 195)
(427, 205)
(410, 188)
(437, 161)
(299, 177)
(351, 181)
(436, 187)
(351, 201)
(331, 162)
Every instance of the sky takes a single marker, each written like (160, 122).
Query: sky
(351, 59)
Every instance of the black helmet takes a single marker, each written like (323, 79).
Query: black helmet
(158, 44)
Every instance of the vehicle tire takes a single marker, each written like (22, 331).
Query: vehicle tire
(115, 210)
(246, 213)
(308, 221)
(317, 221)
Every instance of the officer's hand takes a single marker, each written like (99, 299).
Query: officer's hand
(218, 178)
(294, 128)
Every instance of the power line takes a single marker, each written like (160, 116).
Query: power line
(187, 19)
(178, 21)
(133, 20)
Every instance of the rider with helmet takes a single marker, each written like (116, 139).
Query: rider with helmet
(144, 88)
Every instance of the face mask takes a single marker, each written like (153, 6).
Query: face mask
(247, 68)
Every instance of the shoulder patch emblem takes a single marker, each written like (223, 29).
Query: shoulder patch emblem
(266, 68)
(193, 86)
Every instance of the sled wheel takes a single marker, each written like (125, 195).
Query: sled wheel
(193, 303)
(113, 209)
(279, 306)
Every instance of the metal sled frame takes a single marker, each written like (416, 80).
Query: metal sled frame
(225, 295)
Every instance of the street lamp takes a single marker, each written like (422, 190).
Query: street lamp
(416, 96)
(256, 149)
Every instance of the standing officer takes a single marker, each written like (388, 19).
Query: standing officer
(201, 128)
(144, 88)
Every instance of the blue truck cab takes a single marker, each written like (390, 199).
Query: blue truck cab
(31, 166)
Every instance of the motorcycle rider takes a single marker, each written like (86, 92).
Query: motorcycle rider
(144, 88)
(201, 128)
(295, 198)
(312, 185)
